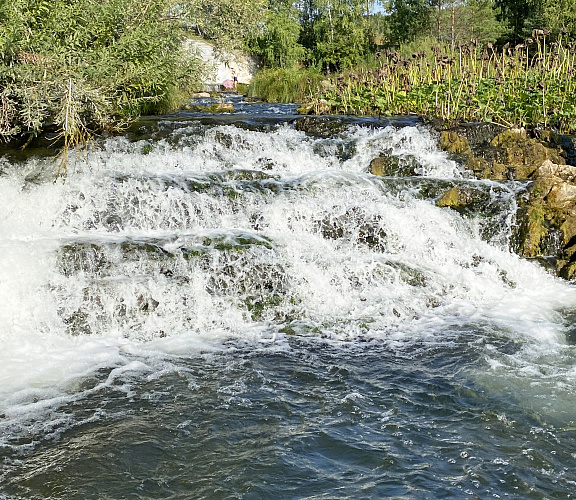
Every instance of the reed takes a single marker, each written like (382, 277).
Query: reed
(529, 85)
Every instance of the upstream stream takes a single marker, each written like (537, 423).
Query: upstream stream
(232, 307)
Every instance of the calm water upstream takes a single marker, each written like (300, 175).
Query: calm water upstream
(233, 308)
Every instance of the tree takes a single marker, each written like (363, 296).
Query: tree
(470, 19)
(478, 20)
(409, 19)
(279, 45)
(336, 33)
(559, 14)
(516, 13)
(229, 24)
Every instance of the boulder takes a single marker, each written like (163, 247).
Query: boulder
(318, 107)
(548, 227)
(463, 198)
(221, 107)
(321, 126)
(546, 217)
(509, 154)
(387, 165)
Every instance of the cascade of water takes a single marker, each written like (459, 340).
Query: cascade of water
(175, 244)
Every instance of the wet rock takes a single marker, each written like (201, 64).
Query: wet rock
(321, 126)
(548, 220)
(147, 304)
(546, 228)
(453, 143)
(221, 107)
(388, 165)
(493, 153)
(78, 323)
(463, 198)
(318, 107)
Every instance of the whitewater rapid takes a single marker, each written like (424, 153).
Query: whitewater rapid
(198, 238)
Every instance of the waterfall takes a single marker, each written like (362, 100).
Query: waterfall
(193, 235)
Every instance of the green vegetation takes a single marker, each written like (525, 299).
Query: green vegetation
(286, 85)
(513, 87)
(80, 67)
(451, 59)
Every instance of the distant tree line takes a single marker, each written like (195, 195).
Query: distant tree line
(336, 34)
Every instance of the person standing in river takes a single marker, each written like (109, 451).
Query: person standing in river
(234, 78)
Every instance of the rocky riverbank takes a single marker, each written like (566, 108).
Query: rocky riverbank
(546, 217)
(543, 160)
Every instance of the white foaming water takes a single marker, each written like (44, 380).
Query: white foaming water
(156, 249)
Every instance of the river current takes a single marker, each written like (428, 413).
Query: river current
(233, 307)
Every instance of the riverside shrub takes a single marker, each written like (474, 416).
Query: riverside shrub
(86, 66)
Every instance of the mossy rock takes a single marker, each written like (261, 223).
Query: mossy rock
(509, 138)
(522, 156)
(463, 198)
(222, 107)
(546, 228)
(388, 165)
(317, 107)
(568, 228)
(567, 271)
(453, 143)
(536, 230)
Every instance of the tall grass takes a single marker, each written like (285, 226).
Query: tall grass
(285, 85)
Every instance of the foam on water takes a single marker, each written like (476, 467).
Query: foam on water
(157, 249)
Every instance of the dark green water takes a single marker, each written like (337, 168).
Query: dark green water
(314, 420)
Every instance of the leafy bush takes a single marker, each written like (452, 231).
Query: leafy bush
(85, 66)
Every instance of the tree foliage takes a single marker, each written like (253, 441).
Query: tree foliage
(559, 14)
(336, 33)
(229, 24)
(278, 44)
(517, 13)
(409, 19)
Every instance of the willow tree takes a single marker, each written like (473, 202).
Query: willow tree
(229, 24)
(336, 33)
(84, 66)
(278, 43)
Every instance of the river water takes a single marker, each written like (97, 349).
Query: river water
(232, 307)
